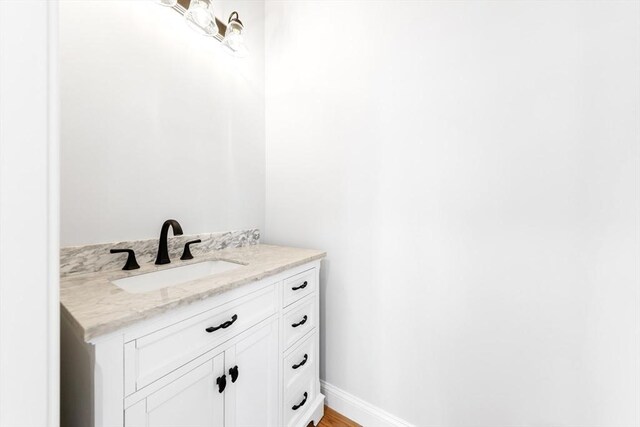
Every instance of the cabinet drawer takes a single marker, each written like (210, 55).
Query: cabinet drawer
(300, 360)
(299, 321)
(154, 355)
(298, 399)
(299, 286)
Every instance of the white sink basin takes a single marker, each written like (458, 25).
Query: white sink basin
(173, 276)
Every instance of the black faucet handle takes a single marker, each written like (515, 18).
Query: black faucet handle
(131, 263)
(186, 254)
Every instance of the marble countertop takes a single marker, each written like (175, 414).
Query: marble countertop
(97, 307)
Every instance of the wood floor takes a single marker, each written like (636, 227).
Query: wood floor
(333, 419)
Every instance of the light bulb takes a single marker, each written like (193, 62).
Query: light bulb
(233, 37)
(200, 17)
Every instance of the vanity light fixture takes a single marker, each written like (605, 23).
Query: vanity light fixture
(199, 15)
(201, 18)
(233, 38)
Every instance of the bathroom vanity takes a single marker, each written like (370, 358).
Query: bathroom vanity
(237, 347)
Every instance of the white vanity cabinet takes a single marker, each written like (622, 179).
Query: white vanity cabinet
(237, 386)
(246, 357)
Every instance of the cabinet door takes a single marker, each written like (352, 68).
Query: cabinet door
(193, 400)
(252, 399)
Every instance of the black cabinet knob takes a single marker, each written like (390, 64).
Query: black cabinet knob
(222, 383)
(234, 373)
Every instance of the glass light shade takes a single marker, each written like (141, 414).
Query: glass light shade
(200, 17)
(234, 38)
(168, 3)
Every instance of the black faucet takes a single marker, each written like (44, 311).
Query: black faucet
(163, 250)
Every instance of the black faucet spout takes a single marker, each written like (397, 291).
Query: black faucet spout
(163, 249)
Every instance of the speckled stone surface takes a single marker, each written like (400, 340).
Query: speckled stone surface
(92, 258)
(97, 307)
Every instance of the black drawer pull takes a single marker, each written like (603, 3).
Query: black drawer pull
(222, 383)
(300, 323)
(304, 360)
(301, 404)
(224, 325)
(304, 285)
(234, 373)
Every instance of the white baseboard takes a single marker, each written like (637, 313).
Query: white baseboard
(358, 410)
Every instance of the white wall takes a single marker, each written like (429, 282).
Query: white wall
(29, 304)
(158, 122)
(472, 169)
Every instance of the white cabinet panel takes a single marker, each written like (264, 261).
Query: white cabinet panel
(299, 286)
(300, 360)
(193, 400)
(252, 399)
(298, 398)
(299, 320)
